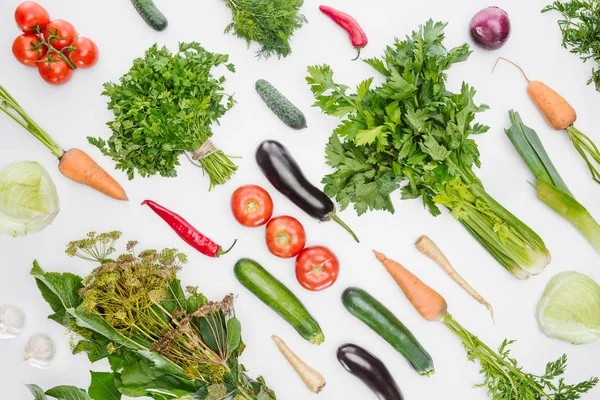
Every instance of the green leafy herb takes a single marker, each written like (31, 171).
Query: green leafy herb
(580, 28)
(411, 133)
(269, 23)
(164, 107)
(133, 311)
(506, 380)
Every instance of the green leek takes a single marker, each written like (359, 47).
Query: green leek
(551, 188)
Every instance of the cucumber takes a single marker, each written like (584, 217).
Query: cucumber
(277, 296)
(280, 105)
(374, 314)
(152, 15)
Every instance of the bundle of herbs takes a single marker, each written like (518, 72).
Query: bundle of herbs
(268, 23)
(164, 107)
(159, 341)
(580, 27)
(411, 133)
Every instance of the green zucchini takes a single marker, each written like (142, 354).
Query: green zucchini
(277, 296)
(280, 105)
(374, 314)
(152, 15)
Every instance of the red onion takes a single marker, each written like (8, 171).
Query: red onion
(490, 28)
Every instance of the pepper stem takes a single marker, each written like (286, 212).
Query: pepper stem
(358, 54)
(346, 227)
(221, 251)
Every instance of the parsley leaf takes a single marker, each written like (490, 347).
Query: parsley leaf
(412, 134)
(164, 107)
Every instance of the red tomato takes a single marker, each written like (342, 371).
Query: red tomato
(317, 268)
(30, 14)
(27, 49)
(85, 54)
(54, 70)
(251, 205)
(285, 236)
(60, 33)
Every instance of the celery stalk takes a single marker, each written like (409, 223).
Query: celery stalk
(551, 189)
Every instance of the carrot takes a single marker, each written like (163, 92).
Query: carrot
(74, 164)
(79, 167)
(313, 380)
(430, 249)
(559, 114)
(429, 303)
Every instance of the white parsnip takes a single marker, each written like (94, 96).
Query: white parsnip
(313, 380)
(430, 249)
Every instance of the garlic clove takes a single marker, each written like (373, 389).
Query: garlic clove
(12, 321)
(40, 351)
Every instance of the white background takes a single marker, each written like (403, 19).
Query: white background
(76, 110)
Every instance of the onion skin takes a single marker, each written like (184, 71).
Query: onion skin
(490, 28)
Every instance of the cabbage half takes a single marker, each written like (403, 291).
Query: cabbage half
(28, 198)
(569, 309)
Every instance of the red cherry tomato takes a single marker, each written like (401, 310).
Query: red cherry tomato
(27, 49)
(285, 237)
(60, 33)
(30, 14)
(317, 268)
(85, 54)
(54, 70)
(251, 205)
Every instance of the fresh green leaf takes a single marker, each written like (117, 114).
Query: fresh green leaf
(103, 387)
(234, 333)
(37, 392)
(68, 393)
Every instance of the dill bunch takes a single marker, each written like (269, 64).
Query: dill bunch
(269, 23)
(158, 338)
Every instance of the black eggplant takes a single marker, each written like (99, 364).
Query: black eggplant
(284, 173)
(370, 370)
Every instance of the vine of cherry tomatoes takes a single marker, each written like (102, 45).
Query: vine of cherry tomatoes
(317, 267)
(53, 46)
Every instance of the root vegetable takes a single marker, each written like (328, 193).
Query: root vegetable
(313, 380)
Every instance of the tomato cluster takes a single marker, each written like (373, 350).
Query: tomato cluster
(317, 267)
(52, 45)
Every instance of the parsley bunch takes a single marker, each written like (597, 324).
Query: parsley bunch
(269, 23)
(411, 133)
(580, 28)
(164, 107)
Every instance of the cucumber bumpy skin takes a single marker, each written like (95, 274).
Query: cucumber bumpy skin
(280, 105)
(151, 14)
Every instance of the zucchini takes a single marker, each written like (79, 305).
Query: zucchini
(374, 314)
(152, 15)
(277, 296)
(280, 105)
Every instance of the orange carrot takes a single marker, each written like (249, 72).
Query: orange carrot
(557, 111)
(429, 303)
(79, 167)
(74, 164)
(559, 114)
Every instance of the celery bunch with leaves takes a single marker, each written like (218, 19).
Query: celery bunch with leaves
(551, 189)
(412, 134)
(160, 342)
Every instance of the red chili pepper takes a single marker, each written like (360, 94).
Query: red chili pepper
(187, 232)
(357, 35)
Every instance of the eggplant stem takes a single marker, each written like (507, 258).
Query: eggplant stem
(346, 227)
